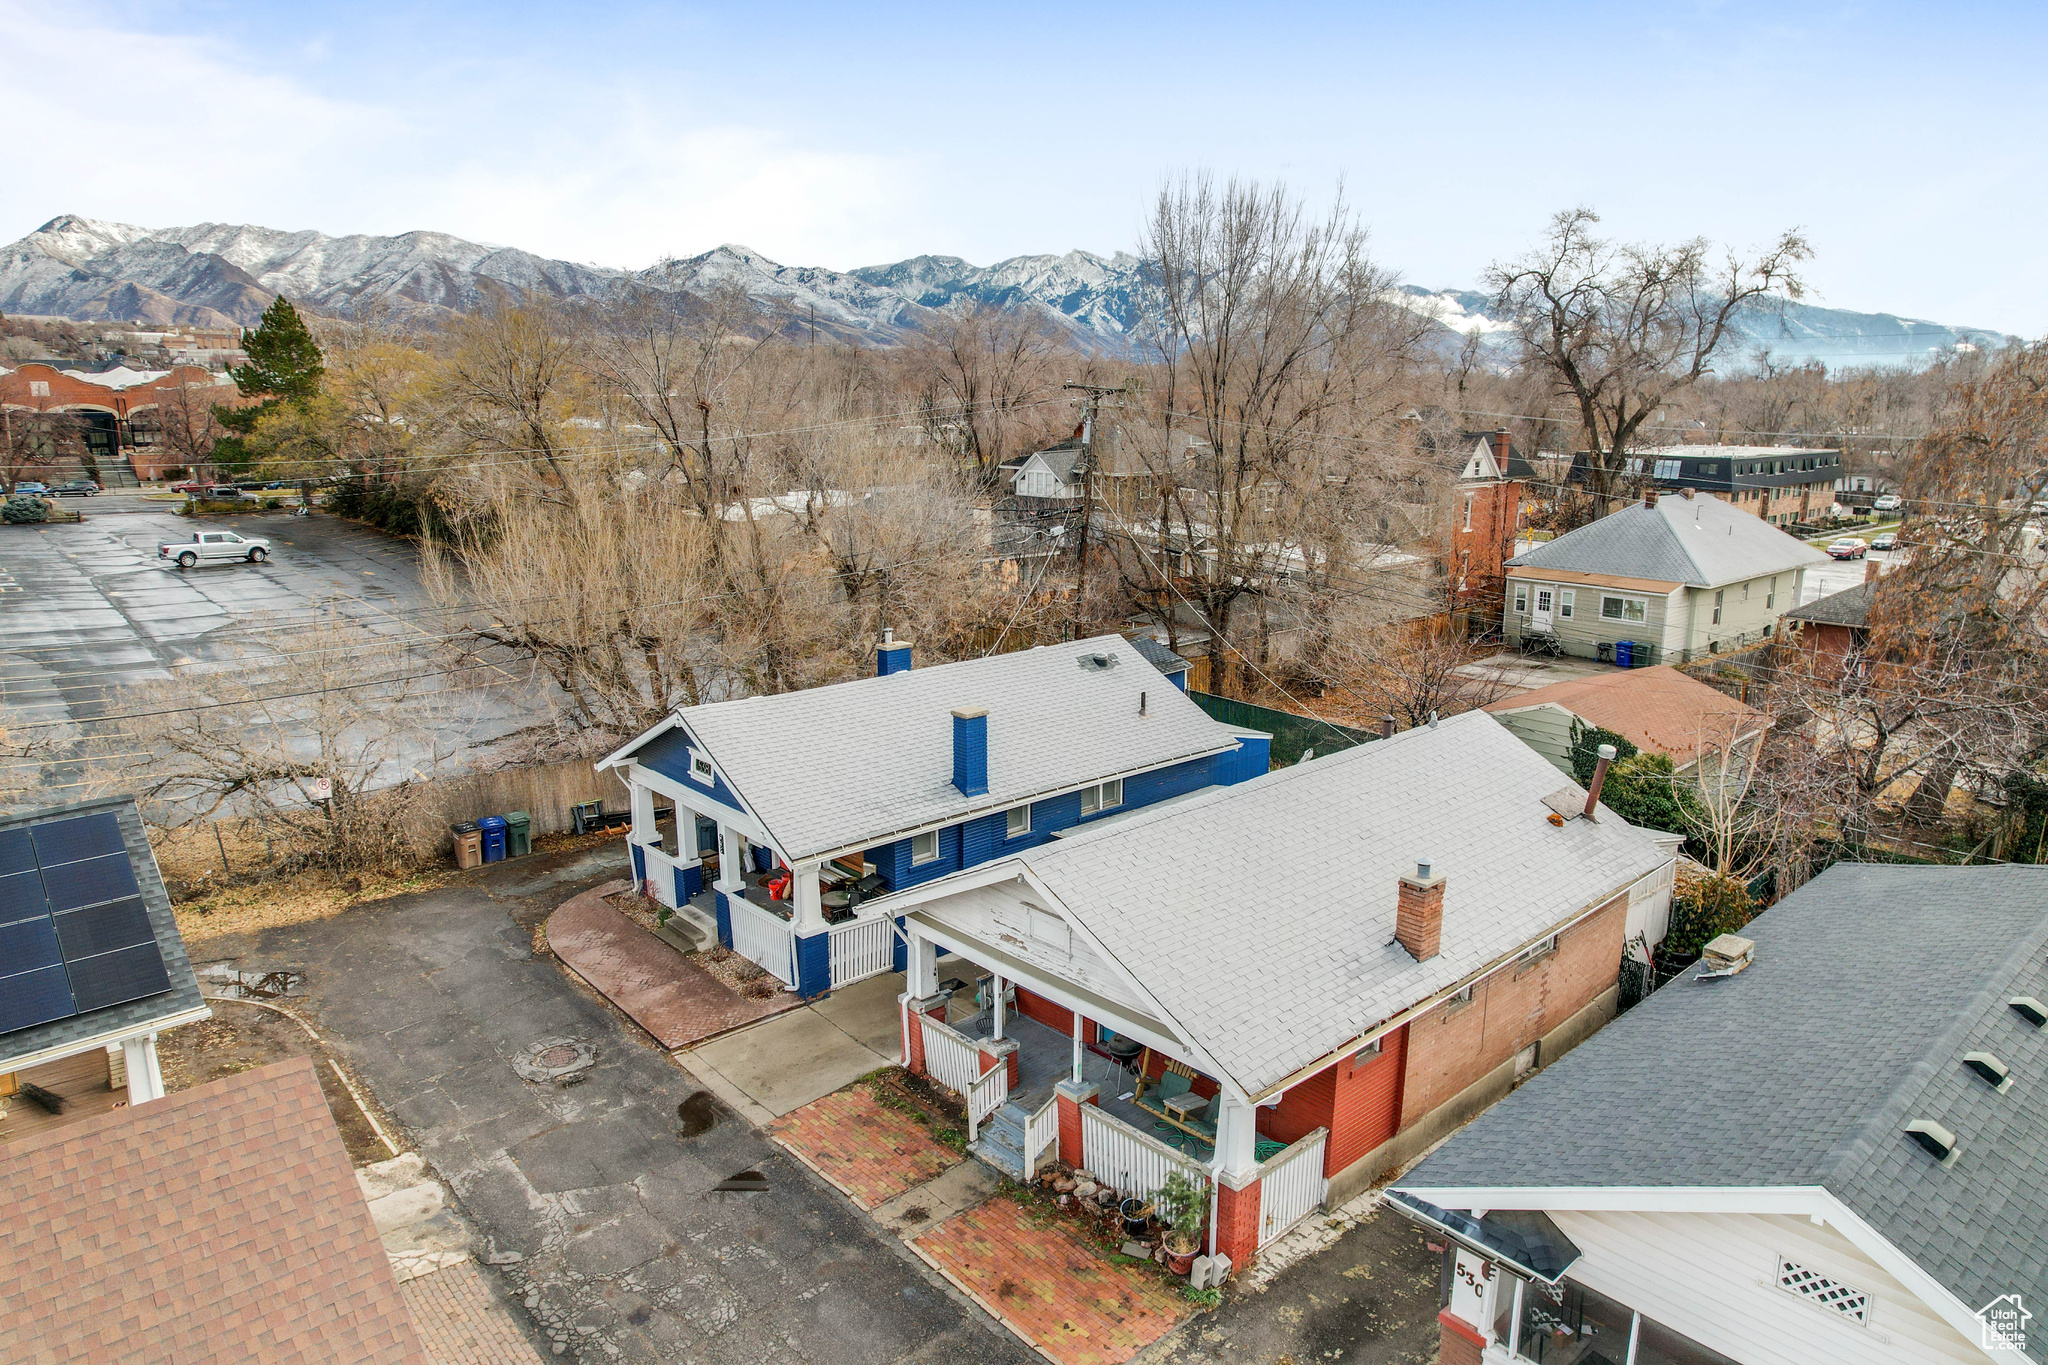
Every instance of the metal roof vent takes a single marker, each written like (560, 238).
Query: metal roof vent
(1939, 1142)
(2035, 1012)
(1991, 1069)
(1097, 663)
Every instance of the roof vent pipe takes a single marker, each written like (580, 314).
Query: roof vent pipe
(1386, 727)
(1432, 720)
(1599, 779)
(1141, 703)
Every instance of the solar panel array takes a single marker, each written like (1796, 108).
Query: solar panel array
(74, 933)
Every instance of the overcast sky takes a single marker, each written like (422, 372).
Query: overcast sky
(1907, 139)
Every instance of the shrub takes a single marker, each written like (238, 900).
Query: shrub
(1701, 913)
(23, 510)
(1644, 789)
(1585, 750)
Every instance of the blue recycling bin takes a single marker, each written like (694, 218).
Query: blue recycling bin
(493, 828)
(1624, 655)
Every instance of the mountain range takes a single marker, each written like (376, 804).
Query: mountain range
(224, 274)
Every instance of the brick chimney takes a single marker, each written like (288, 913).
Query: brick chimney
(1419, 916)
(1649, 497)
(1502, 444)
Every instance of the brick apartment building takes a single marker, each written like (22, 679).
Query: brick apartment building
(1780, 484)
(1293, 985)
(1486, 512)
(121, 409)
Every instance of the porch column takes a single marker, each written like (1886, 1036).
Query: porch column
(145, 1079)
(732, 877)
(996, 1011)
(1235, 1231)
(1078, 1050)
(807, 923)
(922, 978)
(642, 831)
(1070, 1097)
(689, 863)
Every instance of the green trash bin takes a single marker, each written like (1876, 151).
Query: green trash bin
(518, 835)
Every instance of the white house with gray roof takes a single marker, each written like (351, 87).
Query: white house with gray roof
(815, 803)
(1292, 985)
(1676, 576)
(1835, 1155)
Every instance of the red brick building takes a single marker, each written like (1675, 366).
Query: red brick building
(1290, 987)
(1486, 512)
(125, 410)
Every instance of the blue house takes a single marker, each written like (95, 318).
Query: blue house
(813, 801)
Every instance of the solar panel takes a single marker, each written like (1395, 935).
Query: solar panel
(29, 946)
(111, 978)
(90, 882)
(103, 928)
(20, 896)
(17, 852)
(35, 998)
(66, 841)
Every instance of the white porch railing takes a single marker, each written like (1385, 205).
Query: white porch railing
(986, 1096)
(949, 1058)
(862, 948)
(661, 874)
(1131, 1161)
(1291, 1186)
(761, 937)
(1041, 1134)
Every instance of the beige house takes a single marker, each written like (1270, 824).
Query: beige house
(1676, 577)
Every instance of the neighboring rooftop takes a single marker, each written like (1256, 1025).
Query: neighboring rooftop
(1659, 709)
(1158, 655)
(1849, 607)
(1699, 540)
(1261, 916)
(89, 948)
(1869, 985)
(220, 1223)
(859, 763)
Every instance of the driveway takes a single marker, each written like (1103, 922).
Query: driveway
(597, 1198)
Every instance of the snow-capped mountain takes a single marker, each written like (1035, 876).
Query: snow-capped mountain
(221, 274)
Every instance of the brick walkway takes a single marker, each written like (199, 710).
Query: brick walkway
(1052, 1287)
(871, 1152)
(676, 1001)
(460, 1324)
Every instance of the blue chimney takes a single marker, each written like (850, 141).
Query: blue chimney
(970, 752)
(892, 655)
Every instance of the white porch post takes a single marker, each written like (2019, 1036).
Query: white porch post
(145, 1080)
(643, 814)
(997, 1015)
(1077, 1047)
(732, 858)
(1237, 1138)
(923, 964)
(808, 911)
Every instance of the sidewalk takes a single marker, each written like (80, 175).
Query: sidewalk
(663, 992)
(775, 1068)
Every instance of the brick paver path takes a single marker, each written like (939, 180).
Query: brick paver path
(459, 1324)
(676, 1001)
(871, 1152)
(1054, 1288)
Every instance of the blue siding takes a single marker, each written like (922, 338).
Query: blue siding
(639, 862)
(814, 965)
(724, 921)
(666, 754)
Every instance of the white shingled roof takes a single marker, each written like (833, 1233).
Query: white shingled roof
(1260, 917)
(858, 763)
(1699, 540)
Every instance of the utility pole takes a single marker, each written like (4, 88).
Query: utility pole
(1094, 394)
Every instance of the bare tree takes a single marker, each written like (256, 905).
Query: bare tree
(33, 441)
(1621, 328)
(984, 376)
(186, 425)
(509, 388)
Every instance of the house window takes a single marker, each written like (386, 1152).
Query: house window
(39, 388)
(1623, 609)
(1017, 822)
(1521, 600)
(1456, 1001)
(1468, 512)
(1718, 595)
(700, 769)
(1535, 953)
(1366, 1055)
(1711, 467)
(924, 848)
(1565, 598)
(1102, 796)
(1771, 597)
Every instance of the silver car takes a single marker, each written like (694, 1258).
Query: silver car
(214, 547)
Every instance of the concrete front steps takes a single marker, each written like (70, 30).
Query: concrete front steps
(1000, 1142)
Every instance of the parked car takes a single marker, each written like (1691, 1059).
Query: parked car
(214, 547)
(77, 488)
(189, 486)
(1888, 502)
(1888, 541)
(228, 492)
(1848, 547)
(29, 488)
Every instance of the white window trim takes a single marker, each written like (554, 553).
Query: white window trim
(1521, 599)
(709, 776)
(1641, 603)
(931, 857)
(1010, 830)
(1567, 599)
(1099, 794)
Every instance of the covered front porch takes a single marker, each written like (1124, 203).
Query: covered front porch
(1048, 1079)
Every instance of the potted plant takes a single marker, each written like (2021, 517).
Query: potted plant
(1183, 1205)
(1134, 1213)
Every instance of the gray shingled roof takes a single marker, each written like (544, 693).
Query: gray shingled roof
(135, 1016)
(858, 763)
(1158, 655)
(1869, 985)
(1849, 607)
(1699, 540)
(1261, 916)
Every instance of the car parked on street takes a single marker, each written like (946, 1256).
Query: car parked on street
(77, 488)
(214, 547)
(1888, 541)
(1849, 547)
(29, 488)
(1888, 502)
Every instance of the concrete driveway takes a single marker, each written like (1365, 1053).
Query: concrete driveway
(598, 1198)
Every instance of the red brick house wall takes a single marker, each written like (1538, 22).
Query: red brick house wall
(1058, 1017)
(64, 393)
(1479, 556)
(1357, 1099)
(1455, 1046)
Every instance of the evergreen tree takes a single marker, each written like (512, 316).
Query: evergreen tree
(284, 369)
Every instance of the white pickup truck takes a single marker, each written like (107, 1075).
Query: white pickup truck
(214, 547)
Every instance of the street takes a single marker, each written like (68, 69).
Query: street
(597, 1199)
